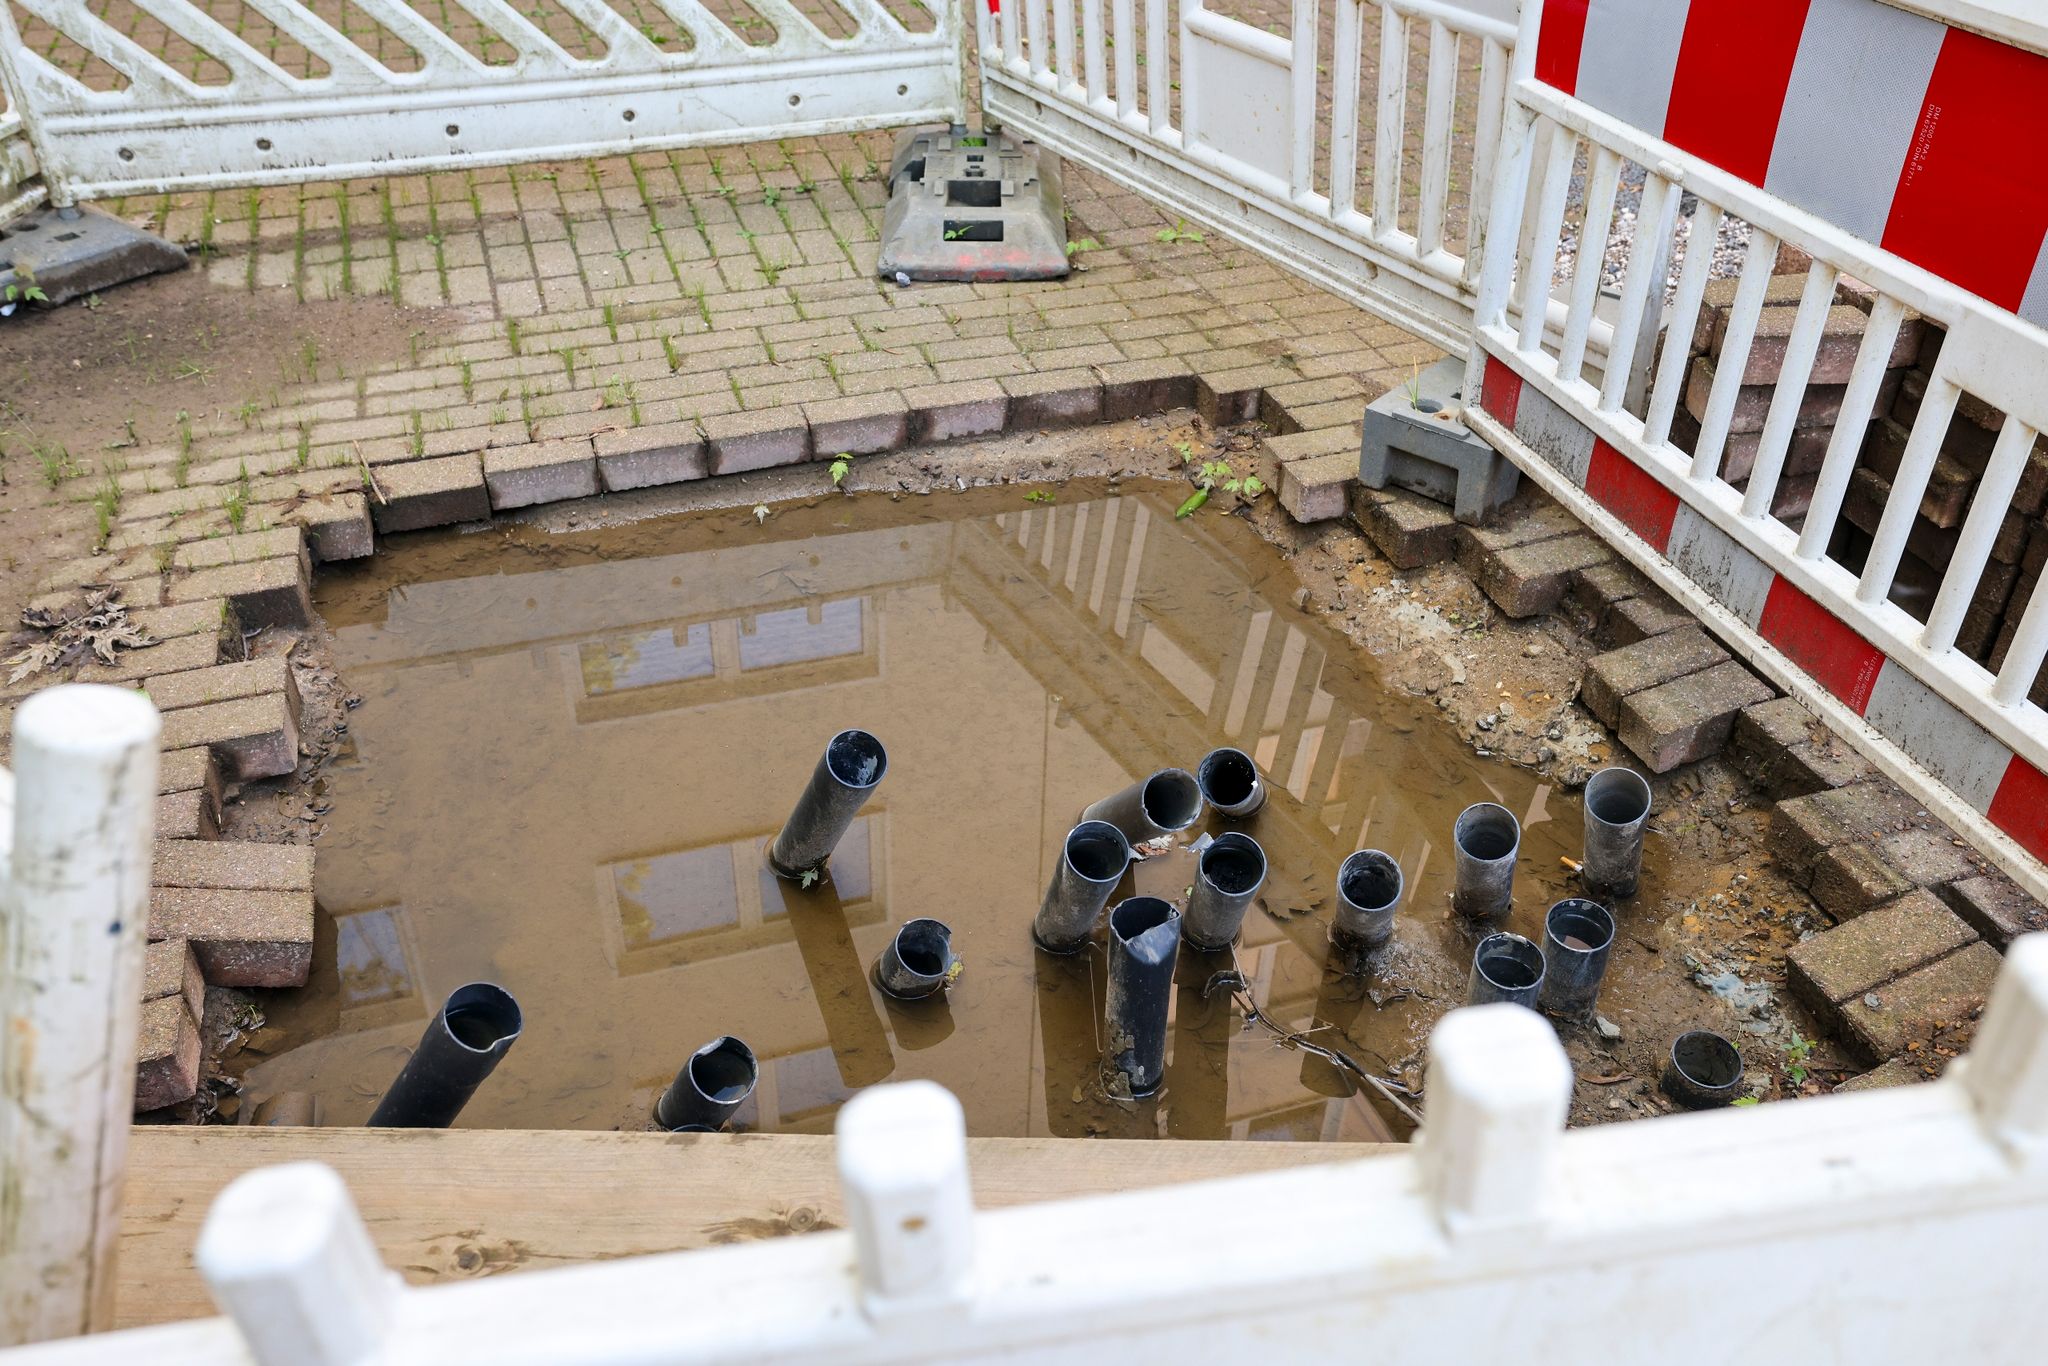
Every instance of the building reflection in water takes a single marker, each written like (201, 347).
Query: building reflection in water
(573, 750)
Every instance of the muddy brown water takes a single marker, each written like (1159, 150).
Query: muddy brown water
(573, 750)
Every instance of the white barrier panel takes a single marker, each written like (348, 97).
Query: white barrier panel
(1897, 1226)
(258, 123)
(1819, 603)
(21, 188)
(1260, 137)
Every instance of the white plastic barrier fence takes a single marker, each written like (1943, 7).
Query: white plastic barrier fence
(488, 88)
(1264, 136)
(1894, 1226)
(76, 821)
(1869, 138)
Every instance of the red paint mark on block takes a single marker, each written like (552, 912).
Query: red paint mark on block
(1972, 199)
(1500, 391)
(1630, 493)
(1819, 642)
(2020, 806)
(1734, 64)
(1558, 45)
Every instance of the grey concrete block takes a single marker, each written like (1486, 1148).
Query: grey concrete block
(1411, 448)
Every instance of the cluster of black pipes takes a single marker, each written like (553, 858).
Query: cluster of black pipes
(480, 1021)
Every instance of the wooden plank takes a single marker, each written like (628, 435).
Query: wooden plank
(446, 1204)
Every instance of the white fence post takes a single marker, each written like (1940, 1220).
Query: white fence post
(2006, 1072)
(73, 905)
(288, 1259)
(1499, 1087)
(903, 1162)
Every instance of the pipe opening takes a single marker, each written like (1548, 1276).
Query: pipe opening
(724, 1071)
(1509, 962)
(1618, 796)
(856, 758)
(925, 947)
(1579, 925)
(1234, 864)
(1706, 1060)
(1098, 851)
(1173, 799)
(1370, 880)
(1227, 777)
(1138, 916)
(481, 1016)
(1487, 832)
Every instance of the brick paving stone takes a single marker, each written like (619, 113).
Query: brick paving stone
(264, 592)
(756, 439)
(284, 542)
(1852, 879)
(1308, 445)
(224, 683)
(166, 1055)
(190, 770)
(1611, 677)
(1916, 1007)
(169, 969)
(1410, 530)
(180, 652)
(1787, 752)
(253, 737)
(241, 938)
(860, 424)
(234, 865)
(946, 412)
(429, 493)
(337, 525)
(1318, 489)
(1597, 588)
(1688, 719)
(1348, 414)
(1996, 908)
(643, 457)
(1802, 827)
(1139, 388)
(186, 816)
(1863, 954)
(215, 619)
(1053, 398)
(1520, 524)
(1928, 858)
(1639, 618)
(543, 472)
(1897, 1072)
(1525, 580)
(1226, 397)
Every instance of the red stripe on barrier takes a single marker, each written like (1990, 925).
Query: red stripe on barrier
(1734, 64)
(2020, 806)
(1819, 642)
(1558, 45)
(1626, 490)
(1500, 392)
(1972, 199)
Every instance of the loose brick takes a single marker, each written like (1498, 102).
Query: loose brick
(1227, 397)
(1927, 858)
(279, 543)
(1280, 399)
(1528, 579)
(1688, 719)
(264, 592)
(860, 424)
(1914, 1008)
(190, 770)
(242, 939)
(1315, 490)
(944, 412)
(185, 816)
(542, 472)
(1802, 827)
(757, 439)
(1519, 525)
(166, 1055)
(234, 865)
(224, 683)
(1852, 879)
(214, 618)
(1995, 908)
(1871, 950)
(1347, 416)
(1139, 388)
(1787, 752)
(253, 737)
(337, 525)
(644, 457)
(1598, 587)
(1410, 530)
(427, 493)
(1285, 450)
(169, 969)
(1897, 1072)
(1053, 398)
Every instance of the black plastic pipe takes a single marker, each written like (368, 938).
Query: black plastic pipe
(1704, 1070)
(1144, 941)
(851, 767)
(1617, 810)
(1092, 862)
(1486, 839)
(1578, 935)
(917, 961)
(1230, 782)
(1505, 967)
(1369, 888)
(1166, 803)
(714, 1083)
(1227, 878)
(470, 1035)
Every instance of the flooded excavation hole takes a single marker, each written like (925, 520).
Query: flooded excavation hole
(573, 751)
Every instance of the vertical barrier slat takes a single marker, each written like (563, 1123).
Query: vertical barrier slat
(1888, 543)
(1440, 98)
(1493, 85)
(1685, 316)
(1793, 373)
(1578, 318)
(1734, 358)
(1035, 30)
(1645, 257)
(1094, 66)
(72, 926)
(1301, 71)
(1988, 509)
(1549, 222)
(2023, 657)
(1390, 115)
(1496, 277)
(1124, 21)
(1190, 77)
(1158, 61)
(1063, 40)
(1008, 21)
(1346, 36)
(1873, 358)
